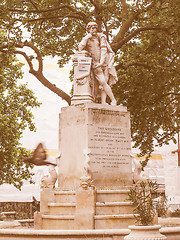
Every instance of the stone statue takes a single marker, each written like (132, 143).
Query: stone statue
(102, 61)
(48, 181)
(138, 176)
(86, 180)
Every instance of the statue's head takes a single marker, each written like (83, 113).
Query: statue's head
(90, 25)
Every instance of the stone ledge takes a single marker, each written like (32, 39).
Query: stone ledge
(172, 233)
(166, 230)
(169, 222)
(64, 232)
(103, 204)
(112, 191)
(118, 108)
(25, 220)
(61, 204)
(63, 217)
(119, 216)
(9, 224)
(64, 192)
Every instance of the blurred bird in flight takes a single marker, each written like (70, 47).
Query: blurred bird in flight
(39, 157)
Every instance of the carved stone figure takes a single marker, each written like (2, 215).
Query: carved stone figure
(138, 176)
(86, 180)
(48, 181)
(84, 69)
(83, 89)
(102, 62)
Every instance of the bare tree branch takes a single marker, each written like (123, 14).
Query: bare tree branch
(73, 10)
(95, 3)
(97, 13)
(38, 74)
(45, 10)
(124, 11)
(36, 50)
(160, 139)
(107, 32)
(128, 23)
(52, 87)
(28, 60)
(48, 18)
(118, 45)
(35, 6)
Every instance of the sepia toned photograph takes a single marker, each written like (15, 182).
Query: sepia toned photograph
(90, 119)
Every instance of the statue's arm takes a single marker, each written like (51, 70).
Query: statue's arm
(104, 52)
(82, 44)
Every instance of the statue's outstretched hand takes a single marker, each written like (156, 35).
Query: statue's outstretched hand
(82, 44)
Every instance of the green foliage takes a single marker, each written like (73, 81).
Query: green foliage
(161, 206)
(141, 196)
(16, 101)
(145, 36)
(151, 92)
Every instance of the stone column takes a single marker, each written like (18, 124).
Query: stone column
(85, 208)
(46, 196)
(83, 82)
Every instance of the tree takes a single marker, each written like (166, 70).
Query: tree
(144, 34)
(16, 101)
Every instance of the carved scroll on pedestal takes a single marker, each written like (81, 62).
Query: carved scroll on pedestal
(83, 82)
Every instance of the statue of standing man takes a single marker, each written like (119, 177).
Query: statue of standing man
(102, 61)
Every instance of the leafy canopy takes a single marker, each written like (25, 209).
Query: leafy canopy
(144, 34)
(16, 101)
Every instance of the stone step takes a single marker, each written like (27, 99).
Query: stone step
(108, 208)
(65, 196)
(120, 195)
(57, 222)
(61, 208)
(114, 221)
(8, 215)
(26, 223)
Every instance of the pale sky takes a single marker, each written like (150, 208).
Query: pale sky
(46, 117)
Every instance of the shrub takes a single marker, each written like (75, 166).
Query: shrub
(161, 206)
(141, 196)
(176, 213)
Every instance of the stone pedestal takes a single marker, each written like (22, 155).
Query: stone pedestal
(46, 196)
(95, 171)
(95, 141)
(85, 208)
(83, 81)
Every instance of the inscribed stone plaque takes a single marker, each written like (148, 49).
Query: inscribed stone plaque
(109, 149)
(84, 64)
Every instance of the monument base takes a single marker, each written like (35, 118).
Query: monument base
(95, 171)
(95, 142)
(86, 209)
(76, 99)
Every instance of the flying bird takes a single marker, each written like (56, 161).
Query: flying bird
(39, 157)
